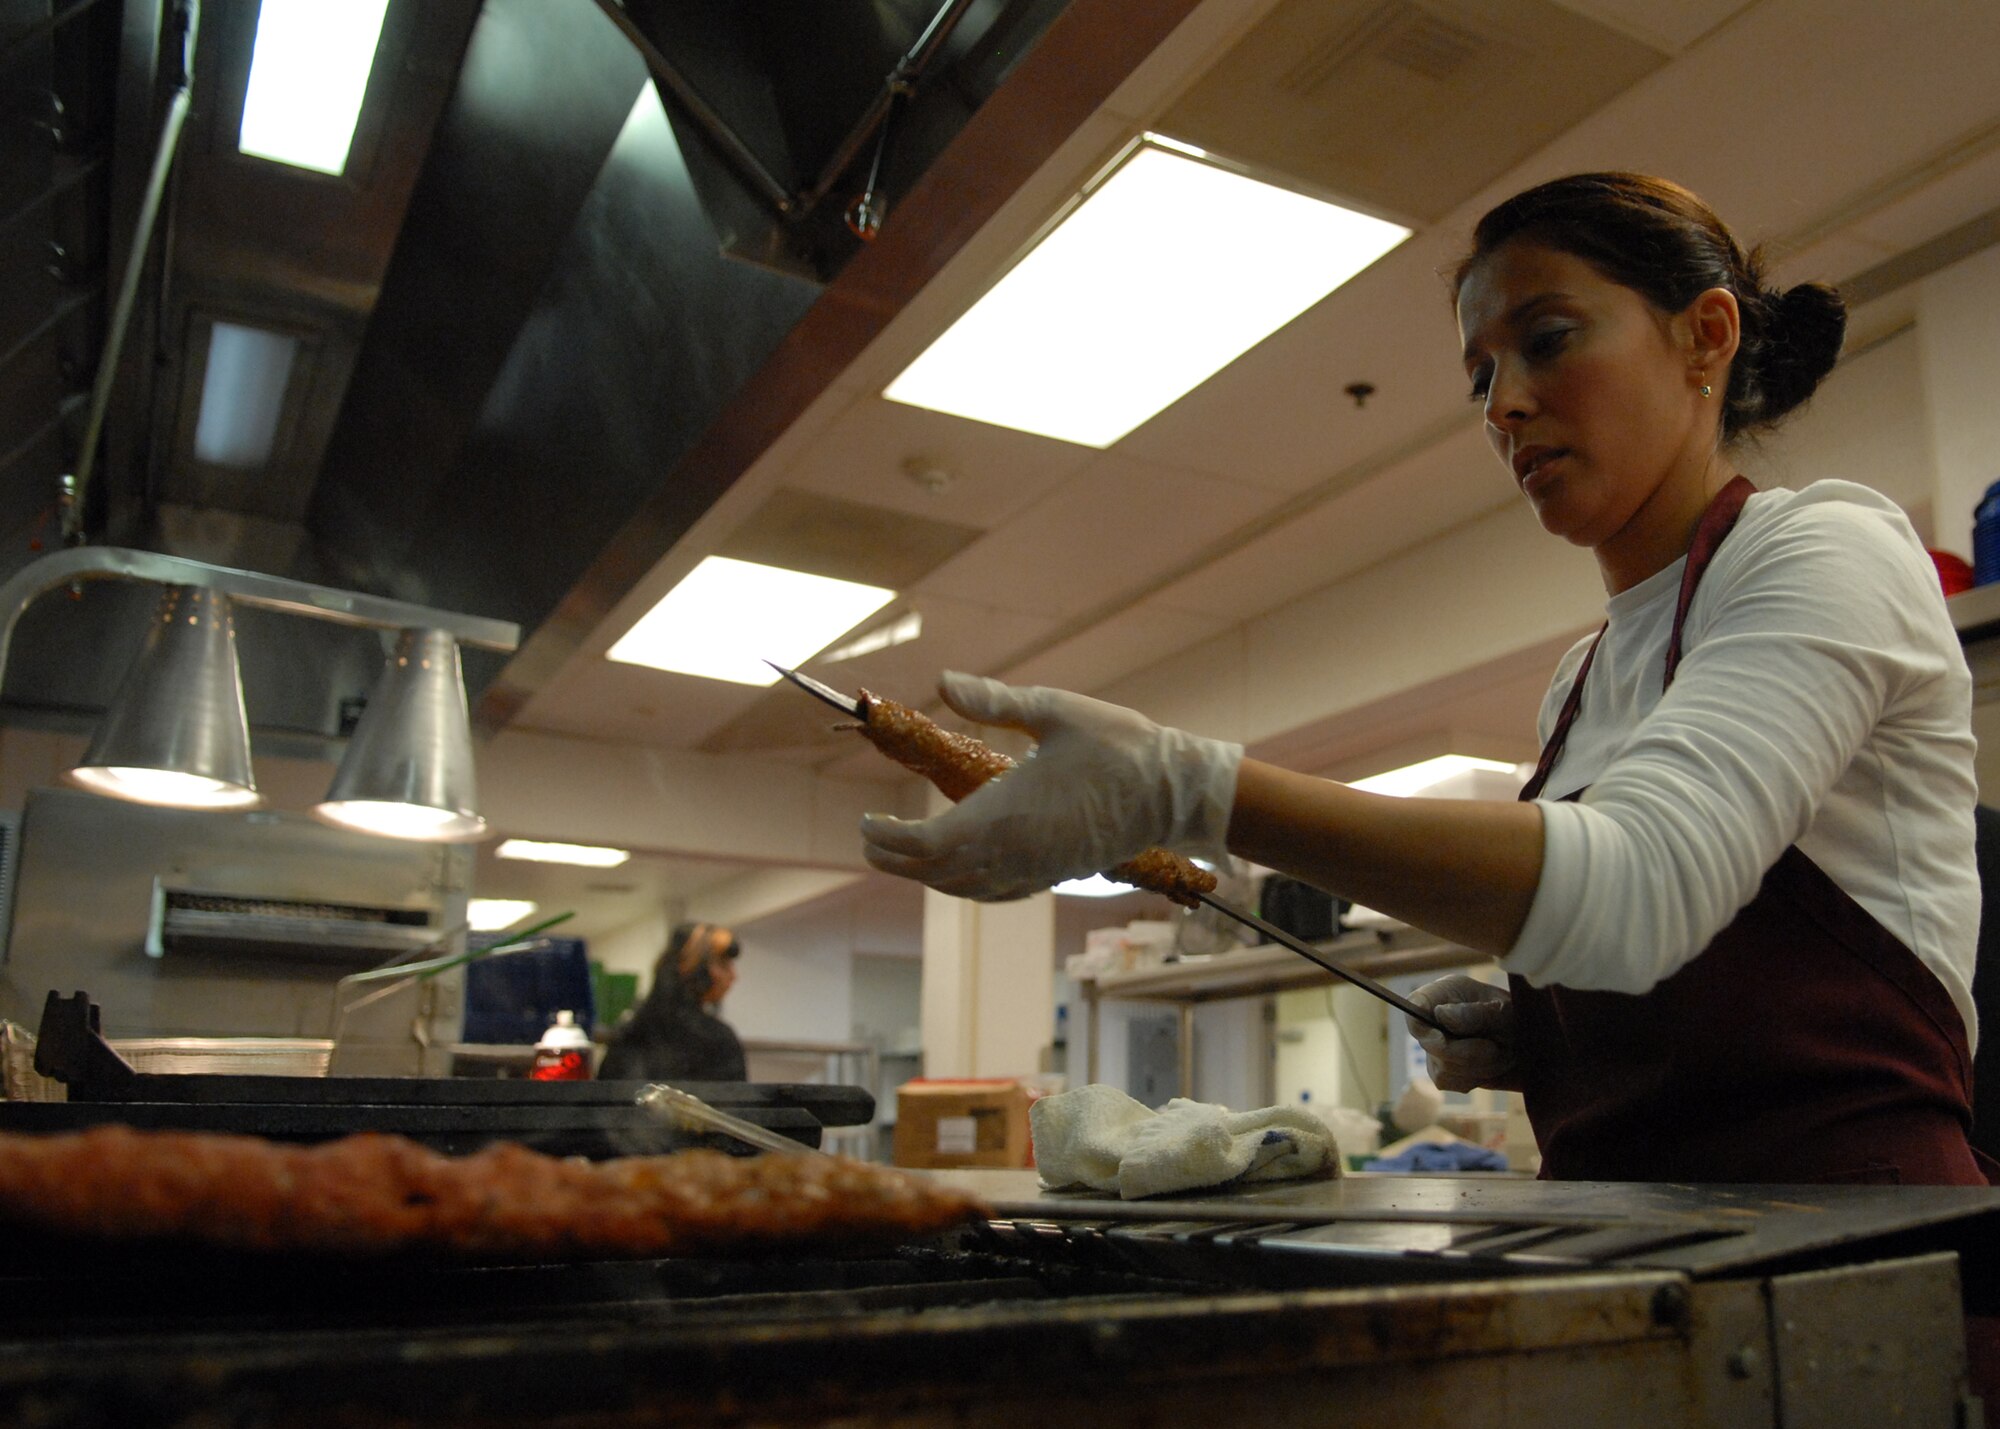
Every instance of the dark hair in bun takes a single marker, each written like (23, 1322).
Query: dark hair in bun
(1665, 244)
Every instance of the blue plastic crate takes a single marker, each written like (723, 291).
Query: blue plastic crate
(513, 998)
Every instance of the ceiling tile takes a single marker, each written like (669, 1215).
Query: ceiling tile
(1453, 481)
(1401, 107)
(848, 540)
(1279, 416)
(1953, 198)
(1111, 530)
(1131, 640)
(1869, 92)
(863, 764)
(1668, 28)
(1488, 712)
(1831, 260)
(634, 704)
(991, 472)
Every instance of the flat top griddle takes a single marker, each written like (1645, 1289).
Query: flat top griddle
(1499, 1222)
(550, 1117)
(454, 1115)
(224, 1088)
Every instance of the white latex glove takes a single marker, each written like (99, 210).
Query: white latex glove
(1101, 784)
(1479, 1018)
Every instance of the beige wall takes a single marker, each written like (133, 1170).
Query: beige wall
(634, 947)
(1958, 331)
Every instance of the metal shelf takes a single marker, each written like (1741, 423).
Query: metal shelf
(1388, 951)
(1269, 968)
(1975, 613)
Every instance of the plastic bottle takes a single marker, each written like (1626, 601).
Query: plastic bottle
(563, 1054)
(1986, 537)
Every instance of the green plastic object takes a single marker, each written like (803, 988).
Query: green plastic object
(614, 992)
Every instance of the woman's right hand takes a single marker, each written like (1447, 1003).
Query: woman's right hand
(1102, 784)
(1476, 1048)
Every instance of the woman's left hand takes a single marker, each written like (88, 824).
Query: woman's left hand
(1476, 1047)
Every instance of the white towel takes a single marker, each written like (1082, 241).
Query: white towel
(1099, 1137)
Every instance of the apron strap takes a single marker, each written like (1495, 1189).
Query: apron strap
(1552, 751)
(1716, 523)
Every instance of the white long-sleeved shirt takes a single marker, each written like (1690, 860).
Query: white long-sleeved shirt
(1822, 699)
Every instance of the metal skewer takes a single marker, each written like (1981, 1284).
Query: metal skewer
(1306, 950)
(689, 1112)
(848, 705)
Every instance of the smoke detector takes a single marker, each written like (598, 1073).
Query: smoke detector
(929, 473)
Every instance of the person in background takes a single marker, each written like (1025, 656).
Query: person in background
(674, 1035)
(1738, 900)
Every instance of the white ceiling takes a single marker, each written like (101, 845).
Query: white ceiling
(603, 900)
(1841, 132)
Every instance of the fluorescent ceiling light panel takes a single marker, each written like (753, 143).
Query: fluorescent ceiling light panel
(1414, 778)
(1165, 274)
(896, 632)
(1095, 886)
(727, 617)
(242, 394)
(582, 855)
(308, 74)
(490, 915)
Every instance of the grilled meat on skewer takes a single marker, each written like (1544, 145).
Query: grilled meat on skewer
(958, 763)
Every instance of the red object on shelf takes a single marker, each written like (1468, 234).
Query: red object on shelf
(1954, 574)
(560, 1067)
(563, 1054)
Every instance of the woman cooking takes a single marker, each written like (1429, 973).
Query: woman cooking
(1737, 902)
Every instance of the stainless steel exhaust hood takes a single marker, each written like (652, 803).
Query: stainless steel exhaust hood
(530, 354)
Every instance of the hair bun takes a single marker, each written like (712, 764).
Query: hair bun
(1807, 326)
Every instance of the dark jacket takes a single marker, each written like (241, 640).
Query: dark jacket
(1986, 987)
(671, 1037)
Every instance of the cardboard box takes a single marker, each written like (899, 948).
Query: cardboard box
(979, 1122)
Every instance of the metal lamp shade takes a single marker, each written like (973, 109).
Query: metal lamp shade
(176, 734)
(408, 769)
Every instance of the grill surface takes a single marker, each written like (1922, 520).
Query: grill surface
(1070, 1310)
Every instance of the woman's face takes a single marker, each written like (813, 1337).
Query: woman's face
(1591, 395)
(721, 977)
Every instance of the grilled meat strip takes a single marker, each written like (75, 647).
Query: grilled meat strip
(372, 1193)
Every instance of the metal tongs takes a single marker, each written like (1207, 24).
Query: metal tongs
(406, 972)
(853, 709)
(689, 1112)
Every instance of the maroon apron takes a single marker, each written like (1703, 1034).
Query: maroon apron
(1804, 1044)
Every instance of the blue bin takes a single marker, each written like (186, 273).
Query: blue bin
(512, 999)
